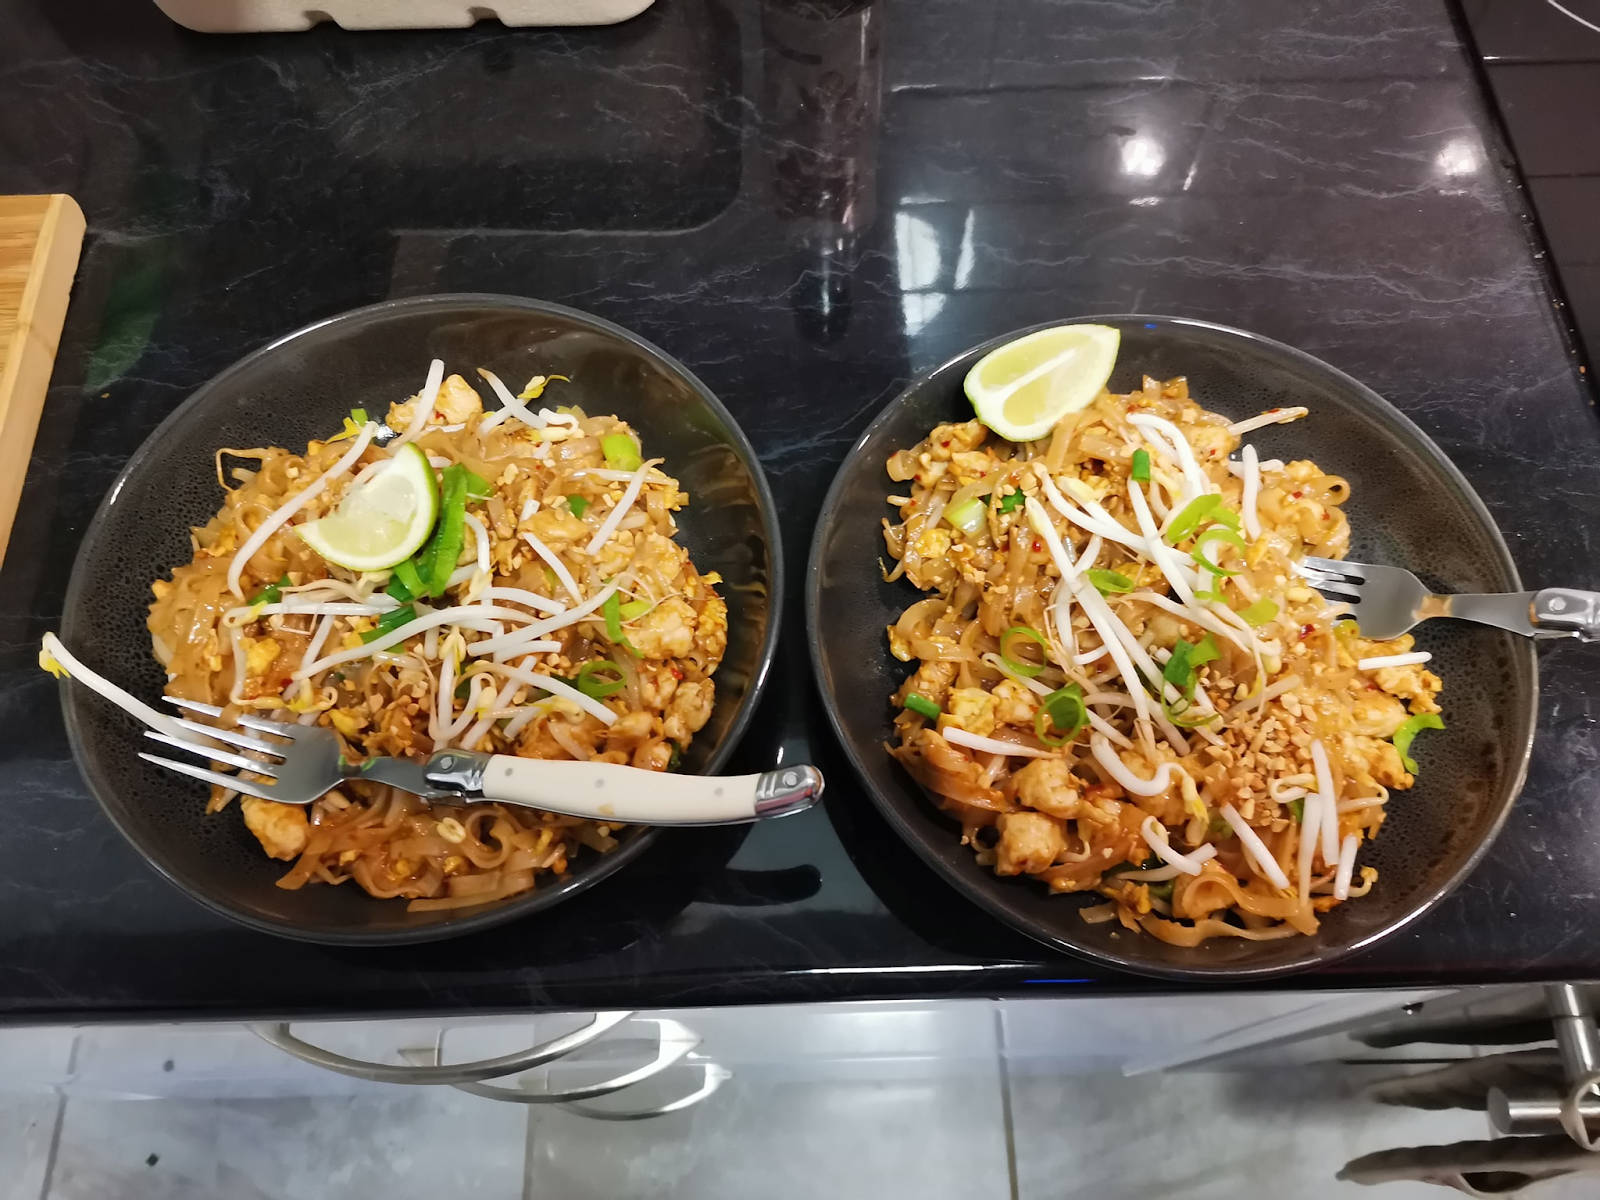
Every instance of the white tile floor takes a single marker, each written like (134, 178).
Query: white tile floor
(236, 1120)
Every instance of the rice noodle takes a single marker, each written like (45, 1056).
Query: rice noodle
(280, 516)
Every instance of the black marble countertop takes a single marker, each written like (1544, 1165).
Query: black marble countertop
(807, 204)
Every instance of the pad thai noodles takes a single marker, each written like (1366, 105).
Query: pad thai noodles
(550, 614)
(1121, 684)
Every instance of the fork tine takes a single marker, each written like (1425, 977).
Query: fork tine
(1312, 573)
(276, 728)
(212, 754)
(249, 787)
(1333, 566)
(1338, 592)
(232, 736)
(208, 710)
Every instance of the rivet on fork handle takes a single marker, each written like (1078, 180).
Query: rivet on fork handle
(1568, 612)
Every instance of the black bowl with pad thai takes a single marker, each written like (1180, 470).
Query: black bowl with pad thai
(589, 574)
(1080, 675)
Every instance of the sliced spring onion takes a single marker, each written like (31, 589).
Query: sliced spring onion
(1020, 666)
(578, 505)
(918, 703)
(1178, 713)
(599, 679)
(1065, 711)
(358, 415)
(437, 559)
(1409, 728)
(1259, 613)
(477, 486)
(407, 575)
(633, 609)
(1298, 809)
(389, 622)
(398, 588)
(1190, 517)
(969, 516)
(675, 759)
(1217, 533)
(1161, 891)
(1012, 502)
(621, 451)
(611, 610)
(1180, 668)
(1106, 582)
(1140, 470)
(270, 594)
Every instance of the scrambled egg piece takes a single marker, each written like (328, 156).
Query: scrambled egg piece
(349, 721)
(971, 709)
(259, 655)
(282, 829)
(666, 631)
(1029, 843)
(1014, 704)
(689, 711)
(934, 543)
(948, 440)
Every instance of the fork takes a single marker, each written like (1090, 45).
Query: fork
(1389, 601)
(295, 764)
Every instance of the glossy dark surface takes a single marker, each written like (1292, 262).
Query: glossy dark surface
(807, 212)
(280, 396)
(1407, 504)
(1542, 65)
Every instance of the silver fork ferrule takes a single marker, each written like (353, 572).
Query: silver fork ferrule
(457, 772)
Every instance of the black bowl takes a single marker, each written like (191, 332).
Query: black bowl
(300, 387)
(1408, 506)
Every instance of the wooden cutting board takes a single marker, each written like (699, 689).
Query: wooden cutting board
(40, 237)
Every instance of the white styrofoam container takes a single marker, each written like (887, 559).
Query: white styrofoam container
(283, 16)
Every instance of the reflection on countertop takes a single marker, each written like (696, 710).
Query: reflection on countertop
(807, 201)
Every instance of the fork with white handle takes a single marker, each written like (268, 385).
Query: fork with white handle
(1389, 601)
(295, 764)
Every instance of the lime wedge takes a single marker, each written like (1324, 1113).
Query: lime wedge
(1021, 389)
(381, 521)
